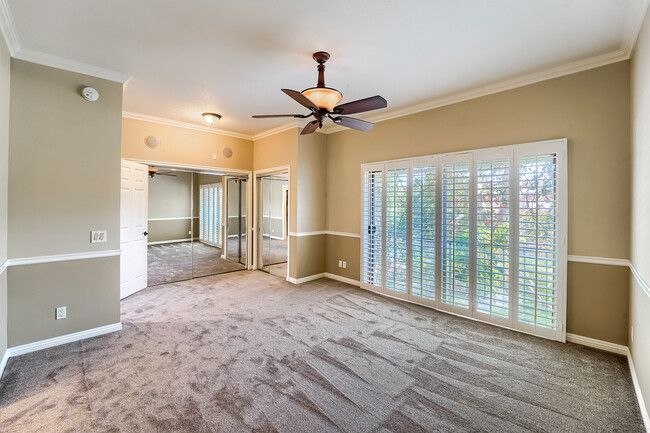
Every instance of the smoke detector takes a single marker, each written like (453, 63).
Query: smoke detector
(90, 94)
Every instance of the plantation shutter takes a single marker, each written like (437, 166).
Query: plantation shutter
(219, 216)
(493, 236)
(538, 240)
(423, 223)
(481, 234)
(396, 228)
(455, 236)
(372, 233)
(201, 213)
(210, 214)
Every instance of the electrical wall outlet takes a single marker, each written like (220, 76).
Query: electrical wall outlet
(60, 313)
(345, 264)
(97, 236)
(340, 263)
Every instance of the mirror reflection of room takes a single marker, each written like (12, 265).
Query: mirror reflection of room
(208, 252)
(274, 235)
(236, 250)
(186, 227)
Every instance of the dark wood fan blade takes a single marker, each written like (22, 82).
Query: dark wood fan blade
(367, 104)
(310, 128)
(267, 116)
(301, 99)
(351, 122)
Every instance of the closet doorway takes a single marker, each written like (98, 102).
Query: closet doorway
(273, 223)
(194, 230)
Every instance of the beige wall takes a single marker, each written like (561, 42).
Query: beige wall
(170, 197)
(184, 146)
(64, 169)
(597, 301)
(5, 87)
(276, 151)
(280, 150)
(312, 185)
(589, 108)
(640, 239)
(90, 289)
(64, 181)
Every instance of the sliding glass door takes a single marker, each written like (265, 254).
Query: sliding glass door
(481, 234)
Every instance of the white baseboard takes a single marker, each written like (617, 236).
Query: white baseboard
(597, 344)
(343, 279)
(306, 279)
(637, 391)
(3, 363)
(64, 339)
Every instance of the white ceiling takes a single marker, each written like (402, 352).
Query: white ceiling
(233, 57)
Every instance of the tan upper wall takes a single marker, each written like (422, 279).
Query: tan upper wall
(312, 185)
(64, 162)
(170, 196)
(590, 108)
(184, 146)
(279, 150)
(640, 72)
(5, 88)
(640, 236)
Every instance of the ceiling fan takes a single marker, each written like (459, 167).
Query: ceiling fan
(155, 172)
(321, 101)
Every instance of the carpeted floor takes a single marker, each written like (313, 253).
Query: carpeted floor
(274, 251)
(248, 351)
(179, 261)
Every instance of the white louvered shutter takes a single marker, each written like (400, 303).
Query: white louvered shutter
(423, 226)
(455, 236)
(372, 228)
(396, 228)
(493, 237)
(538, 241)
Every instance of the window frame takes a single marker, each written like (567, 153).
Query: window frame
(514, 153)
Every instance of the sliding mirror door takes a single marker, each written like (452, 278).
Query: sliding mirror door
(273, 224)
(237, 209)
(169, 249)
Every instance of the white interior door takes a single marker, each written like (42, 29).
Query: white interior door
(133, 228)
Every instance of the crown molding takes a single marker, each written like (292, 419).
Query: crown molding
(70, 65)
(185, 125)
(274, 131)
(536, 77)
(8, 29)
(208, 129)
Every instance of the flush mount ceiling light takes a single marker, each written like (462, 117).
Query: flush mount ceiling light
(211, 118)
(322, 102)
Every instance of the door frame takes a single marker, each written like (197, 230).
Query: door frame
(233, 172)
(283, 169)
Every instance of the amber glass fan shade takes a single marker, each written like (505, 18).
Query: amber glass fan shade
(323, 97)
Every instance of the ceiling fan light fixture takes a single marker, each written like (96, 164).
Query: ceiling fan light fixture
(211, 118)
(323, 97)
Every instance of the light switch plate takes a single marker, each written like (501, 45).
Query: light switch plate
(97, 236)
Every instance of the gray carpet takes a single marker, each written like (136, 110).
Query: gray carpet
(274, 251)
(168, 263)
(249, 352)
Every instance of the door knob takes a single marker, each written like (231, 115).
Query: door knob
(145, 233)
